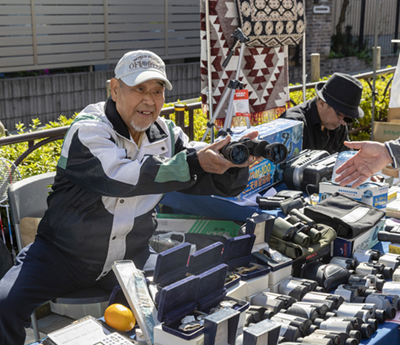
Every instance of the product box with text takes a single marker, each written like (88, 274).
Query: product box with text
(371, 193)
(264, 173)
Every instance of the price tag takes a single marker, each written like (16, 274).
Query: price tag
(241, 103)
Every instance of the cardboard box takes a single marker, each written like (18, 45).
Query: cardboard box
(265, 173)
(196, 224)
(346, 247)
(385, 131)
(393, 114)
(371, 193)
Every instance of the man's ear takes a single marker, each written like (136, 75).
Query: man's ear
(114, 87)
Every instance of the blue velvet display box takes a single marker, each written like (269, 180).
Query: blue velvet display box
(194, 295)
(171, 266)
(176, 301)
(209, 257)
(237, 254)
(205, 258)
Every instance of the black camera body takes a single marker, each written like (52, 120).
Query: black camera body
(238, 152)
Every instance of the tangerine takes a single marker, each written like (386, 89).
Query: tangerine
(119, 317)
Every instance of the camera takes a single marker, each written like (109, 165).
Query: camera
(238, 152)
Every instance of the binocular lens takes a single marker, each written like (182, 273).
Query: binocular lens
(236, 153)
(276, 153)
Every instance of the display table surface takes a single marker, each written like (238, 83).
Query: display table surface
(216, 208)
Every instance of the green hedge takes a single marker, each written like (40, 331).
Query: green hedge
(45, 158)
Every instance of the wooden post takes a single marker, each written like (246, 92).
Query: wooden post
(315, 67)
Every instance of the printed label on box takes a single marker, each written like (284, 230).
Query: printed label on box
(264, 173)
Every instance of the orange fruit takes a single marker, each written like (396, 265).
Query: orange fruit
(119, 317)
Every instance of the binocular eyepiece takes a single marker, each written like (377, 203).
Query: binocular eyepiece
(238, 152)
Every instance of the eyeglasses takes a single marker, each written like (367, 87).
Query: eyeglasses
(342, 116)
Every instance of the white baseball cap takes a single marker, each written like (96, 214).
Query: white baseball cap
(139, 66)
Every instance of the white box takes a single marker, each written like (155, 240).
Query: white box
(163, 338)
(370, 193)
(238, 291)
(346, 247)
(256, 285)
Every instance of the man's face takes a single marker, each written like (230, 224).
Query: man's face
(330, 119)
(139, 105)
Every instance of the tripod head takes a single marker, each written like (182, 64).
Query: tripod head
(239, 37)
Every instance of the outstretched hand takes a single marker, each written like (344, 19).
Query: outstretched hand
(212, 161)
(371, 158)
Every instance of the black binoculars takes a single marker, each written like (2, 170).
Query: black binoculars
(238, 152)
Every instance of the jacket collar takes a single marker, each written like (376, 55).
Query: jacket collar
(314, 112)
(154, 132)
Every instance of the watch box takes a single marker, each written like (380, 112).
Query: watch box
(209, 257)
(221, 327)
(171, 265)
(237, 255)
(260, 225)
(205, 258)
(279, 270)
(263, 332)
(177, 301)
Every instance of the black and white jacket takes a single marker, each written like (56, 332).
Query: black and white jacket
(102, 207)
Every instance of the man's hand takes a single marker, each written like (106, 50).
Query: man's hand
(213, 162)
(371, 158)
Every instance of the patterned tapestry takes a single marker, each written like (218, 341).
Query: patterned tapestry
(264, 71)
(272, 23)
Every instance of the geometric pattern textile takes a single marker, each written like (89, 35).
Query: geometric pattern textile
(263, 70)
(272, 23)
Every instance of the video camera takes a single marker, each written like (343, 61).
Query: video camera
(238, 152)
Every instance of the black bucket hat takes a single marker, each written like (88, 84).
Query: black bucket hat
(343, 93)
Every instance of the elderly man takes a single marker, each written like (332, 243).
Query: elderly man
(325, 117)
(118, 159)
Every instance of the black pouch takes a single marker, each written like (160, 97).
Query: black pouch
(348, 217)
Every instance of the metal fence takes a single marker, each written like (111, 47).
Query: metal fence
(362, 15)
(46, 34)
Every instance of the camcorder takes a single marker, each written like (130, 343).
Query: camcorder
(308, 310)
(367, 281)
(324, 337)
(366, 311)
(332, 301)
(349, 326)
(296, 287)
(272, 301)
(376, 268)
(238, 152)
(351, 292)
(386, 302)
(390, 260)
(292, 326)
(366, 255)
(347, 263)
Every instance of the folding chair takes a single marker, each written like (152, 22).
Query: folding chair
(27, 198)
